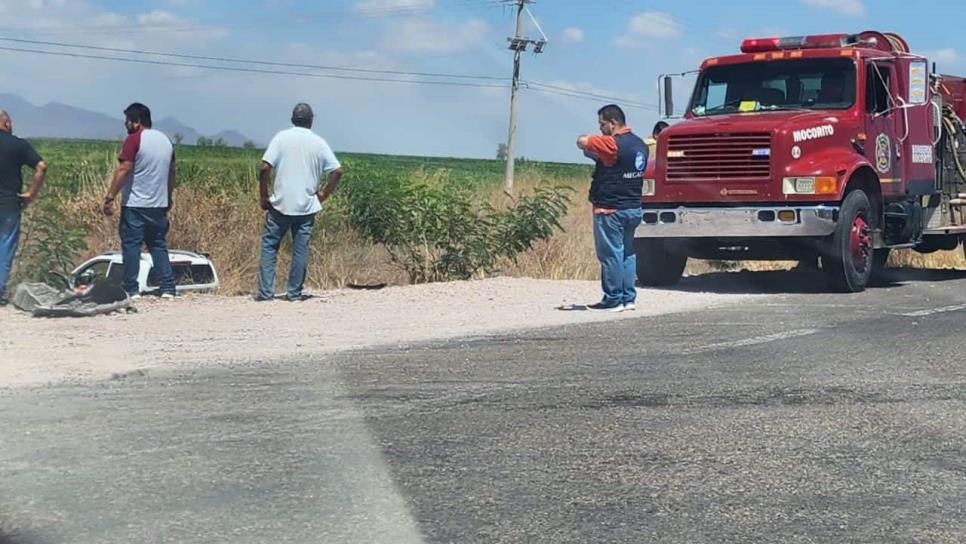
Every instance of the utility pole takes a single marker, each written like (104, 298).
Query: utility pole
(518, 44)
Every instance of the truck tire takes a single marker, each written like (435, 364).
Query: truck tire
(848, 260)
(657, 263)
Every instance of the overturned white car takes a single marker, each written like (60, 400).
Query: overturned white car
(193, 272)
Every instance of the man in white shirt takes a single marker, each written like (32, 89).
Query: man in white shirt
(299, 158)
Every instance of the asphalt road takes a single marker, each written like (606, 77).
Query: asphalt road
(799, 416)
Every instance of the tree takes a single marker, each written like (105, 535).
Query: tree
(249, 144)
(203, 142)
(178, 138)
(220, 142)
(501, 152)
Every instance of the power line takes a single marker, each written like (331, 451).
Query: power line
(622, 103)
(251, 61)
(536, 86)
(564, 91)
(249, 70)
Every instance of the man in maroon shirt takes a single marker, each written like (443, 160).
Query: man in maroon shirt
(145, 178)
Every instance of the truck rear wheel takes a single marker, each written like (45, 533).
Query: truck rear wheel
(657, 262)
(849, 258)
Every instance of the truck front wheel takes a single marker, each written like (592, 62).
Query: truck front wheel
(849, 259)
(658, 264)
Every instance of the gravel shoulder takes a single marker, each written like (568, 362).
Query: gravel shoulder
(208, 329)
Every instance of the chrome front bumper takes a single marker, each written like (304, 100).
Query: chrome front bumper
(752, 221)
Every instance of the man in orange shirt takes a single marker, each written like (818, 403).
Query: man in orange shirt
(615, 192)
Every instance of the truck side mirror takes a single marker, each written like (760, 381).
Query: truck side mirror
(668, 97)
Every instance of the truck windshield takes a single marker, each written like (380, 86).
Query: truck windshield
(776, 85)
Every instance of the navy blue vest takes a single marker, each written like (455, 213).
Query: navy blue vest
(619, 187)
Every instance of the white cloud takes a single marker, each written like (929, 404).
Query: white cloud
(159, 18)
(392, 7)
(573, 35)
(64, 20)
(649, 25)
(845, 7)
(428, 35)
(947, 55)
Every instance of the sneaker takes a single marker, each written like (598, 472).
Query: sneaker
(3, 301)
(167, 296)
(298, 298)
(135, 296)
(601, 307)
(630, 307)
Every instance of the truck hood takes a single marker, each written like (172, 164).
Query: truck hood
(778, 121)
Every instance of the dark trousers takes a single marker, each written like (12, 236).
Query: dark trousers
(145, 226)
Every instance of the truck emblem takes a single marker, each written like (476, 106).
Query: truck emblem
(813, 133)
(883, 154)
(796, 152)
(747, 192)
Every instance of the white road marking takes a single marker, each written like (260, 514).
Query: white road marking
(944, 309)
(754, 341)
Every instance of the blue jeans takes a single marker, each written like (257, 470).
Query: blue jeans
(9, 238)
(614, 239)
(276, 226)
(147, 226)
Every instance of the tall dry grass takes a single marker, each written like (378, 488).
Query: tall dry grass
(225, 221)
(953, 259)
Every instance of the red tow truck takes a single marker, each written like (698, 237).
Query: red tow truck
(828, 149)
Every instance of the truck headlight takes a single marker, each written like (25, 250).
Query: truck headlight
(648, 188)
(810, 185)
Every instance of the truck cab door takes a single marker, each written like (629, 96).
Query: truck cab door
(882, 123)
(919, 135)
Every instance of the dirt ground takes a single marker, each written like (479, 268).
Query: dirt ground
(208, 329)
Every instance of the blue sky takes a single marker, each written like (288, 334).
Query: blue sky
(607, 47)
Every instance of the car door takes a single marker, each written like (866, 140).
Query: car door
(881, 145)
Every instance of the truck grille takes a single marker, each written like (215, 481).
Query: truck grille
(719, 157)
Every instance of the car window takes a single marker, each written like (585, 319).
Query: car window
(89, 274)
(116, 273)
(186, 274)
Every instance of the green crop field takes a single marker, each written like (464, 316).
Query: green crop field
(72, 161)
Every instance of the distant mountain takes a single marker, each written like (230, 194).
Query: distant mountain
(232, 137)
(171, 126)
(55, 120)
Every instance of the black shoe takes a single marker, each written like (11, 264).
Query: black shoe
(601, 307)
(297, 298)
(3, 301)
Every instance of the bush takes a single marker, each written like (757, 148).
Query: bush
(439, 232)
(50, 242)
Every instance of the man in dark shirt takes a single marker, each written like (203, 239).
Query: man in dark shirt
(615, 192)
(14, 155)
